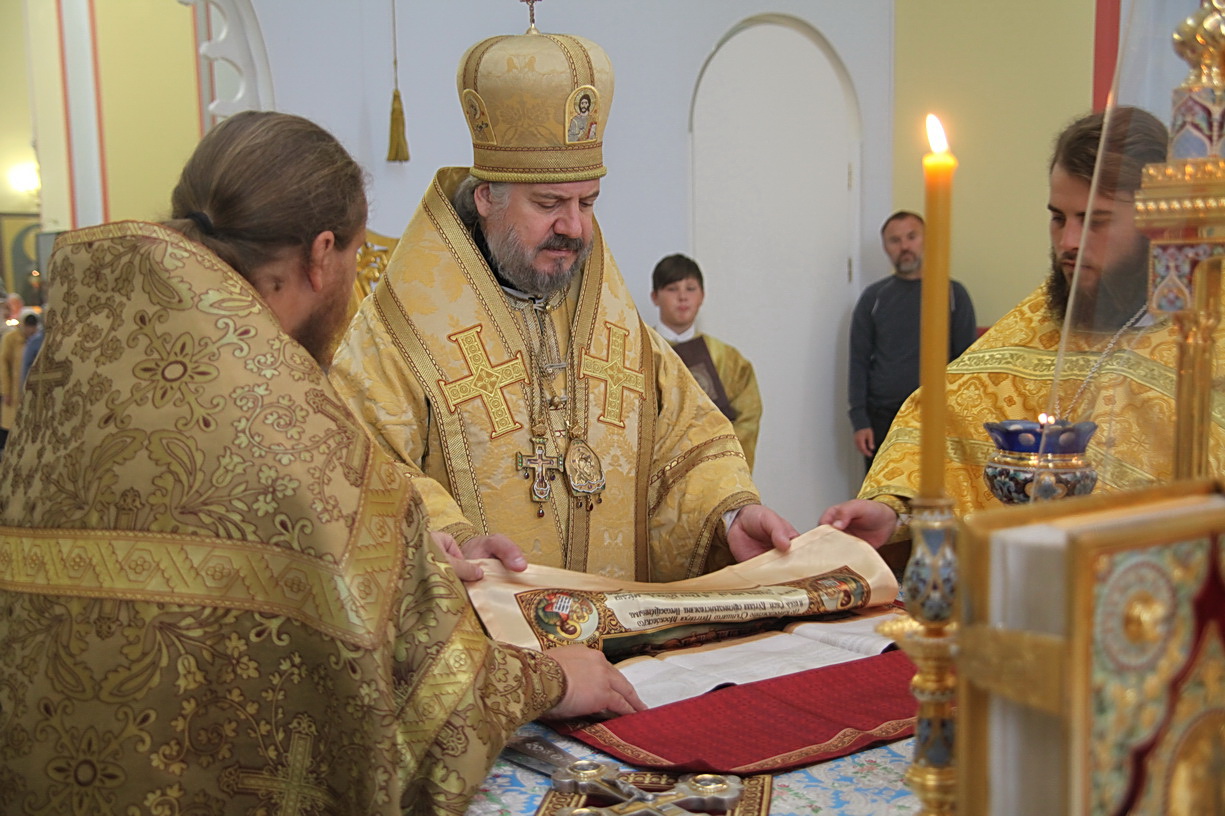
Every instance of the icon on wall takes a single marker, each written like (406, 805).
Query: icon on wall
(19, 256)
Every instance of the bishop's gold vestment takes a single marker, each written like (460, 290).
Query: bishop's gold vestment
(451, 374)
(1008, 374)
(217, 596)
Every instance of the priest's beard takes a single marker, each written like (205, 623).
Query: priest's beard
(515, 262)
(1119, 294)
(320, 333)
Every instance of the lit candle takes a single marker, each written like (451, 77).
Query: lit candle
(938, 167)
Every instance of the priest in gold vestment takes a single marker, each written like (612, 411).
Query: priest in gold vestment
(1120, 363)
(217, 595)
(503, 358)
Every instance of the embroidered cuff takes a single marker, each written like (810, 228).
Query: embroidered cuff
(462, 533)
(901, 506)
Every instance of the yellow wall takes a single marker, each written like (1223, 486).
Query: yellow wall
(148, 102)
(15, 133)
(1004, 78)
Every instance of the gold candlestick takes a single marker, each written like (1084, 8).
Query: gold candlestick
(927, 637)
(929, 583)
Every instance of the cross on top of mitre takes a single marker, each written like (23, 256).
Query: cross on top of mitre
(531, 13)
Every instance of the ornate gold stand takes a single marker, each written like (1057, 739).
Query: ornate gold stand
(927, 637)
(1196, 327)
(1187, 250)
(1181, 208)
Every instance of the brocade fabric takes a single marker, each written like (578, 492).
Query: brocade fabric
(217, 596)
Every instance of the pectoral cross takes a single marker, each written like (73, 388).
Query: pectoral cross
(543, 467)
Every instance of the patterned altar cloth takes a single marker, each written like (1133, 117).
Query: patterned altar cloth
(868, 783)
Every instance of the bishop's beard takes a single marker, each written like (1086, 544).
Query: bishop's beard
(1120, 293)
(515, 263)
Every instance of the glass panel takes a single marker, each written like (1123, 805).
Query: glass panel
(1132, 215)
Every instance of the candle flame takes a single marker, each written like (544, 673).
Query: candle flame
(935, 135)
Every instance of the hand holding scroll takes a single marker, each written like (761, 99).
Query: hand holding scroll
(872, 521)
(485, 546)
(758, 529)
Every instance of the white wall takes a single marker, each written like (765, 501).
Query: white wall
(337, 70)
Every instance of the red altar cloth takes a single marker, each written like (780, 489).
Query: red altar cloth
(768, 726)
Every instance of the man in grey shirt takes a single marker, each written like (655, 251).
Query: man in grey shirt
(884, 366)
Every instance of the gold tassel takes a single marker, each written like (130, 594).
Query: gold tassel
(397, 150)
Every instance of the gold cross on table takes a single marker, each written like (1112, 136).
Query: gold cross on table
(616, 375)
(693, 793)
(541, 465)
(531, 10)
(589, 777)
(485, 382)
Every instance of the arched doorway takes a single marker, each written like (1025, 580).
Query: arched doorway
(776, 131)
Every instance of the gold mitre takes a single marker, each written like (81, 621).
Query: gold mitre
(536, 105)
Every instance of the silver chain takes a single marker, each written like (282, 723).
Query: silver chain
(1080, 392)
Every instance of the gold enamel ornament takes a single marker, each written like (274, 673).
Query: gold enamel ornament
(536, 105)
